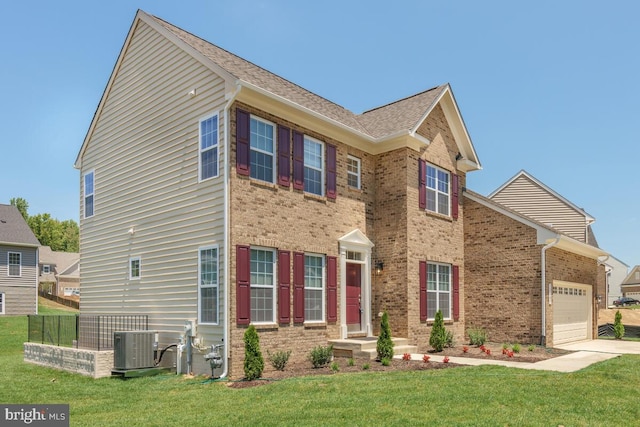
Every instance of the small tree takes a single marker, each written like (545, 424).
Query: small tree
(384, 346)
(438, 338)
(253, 361)
(618, 327)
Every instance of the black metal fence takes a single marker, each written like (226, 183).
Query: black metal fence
(93, 332)
(629, 331)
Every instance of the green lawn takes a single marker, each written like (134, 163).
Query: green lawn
(601, 395)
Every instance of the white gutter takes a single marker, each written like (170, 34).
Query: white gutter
(543, 337)
(227, 250)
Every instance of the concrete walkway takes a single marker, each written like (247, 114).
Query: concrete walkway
(585, 353)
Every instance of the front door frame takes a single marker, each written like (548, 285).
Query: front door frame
(357, 242)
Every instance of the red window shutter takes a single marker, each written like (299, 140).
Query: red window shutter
(284, 282)
(284, 156)
(423, 291)
(332, 289)
(454, 195)
(242, 142)
(456, 292)
(298, 160)
(422, 184)
(298, 287)
(243, 285)
(331, 172)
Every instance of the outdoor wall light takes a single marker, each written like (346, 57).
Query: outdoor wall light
(379, 267)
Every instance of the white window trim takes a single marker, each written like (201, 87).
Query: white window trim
(438, 291)
(216, 146)
(273, 287)
(131, 276)
(216, 286)
(275, 147)
(2, 300)
(9, 264)
(85, 195)
(323, 164)
(357, 175)
(437, 191)
(323, 289)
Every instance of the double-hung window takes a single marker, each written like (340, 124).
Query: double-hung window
(15, 264)
(313, 166)
(314, 285)
(262, 285)
(1, 302)
(438, 190)
(262, 137)
(438, 290)
(209, 147)
(88, 194)
(208, 284)
(134, 268)
(353, 172)
(46, 269)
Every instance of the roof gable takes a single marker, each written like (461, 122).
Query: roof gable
(631, 277)
(14, 230)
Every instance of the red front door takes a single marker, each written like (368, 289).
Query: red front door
(353, 294)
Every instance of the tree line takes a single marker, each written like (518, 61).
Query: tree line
(62, 236)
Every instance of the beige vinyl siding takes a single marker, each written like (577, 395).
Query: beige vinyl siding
(528, 198)
(144, 150)
(20, 293)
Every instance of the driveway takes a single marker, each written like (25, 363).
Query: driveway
(604, 346)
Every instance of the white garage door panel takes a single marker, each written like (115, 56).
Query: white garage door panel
(571, 312)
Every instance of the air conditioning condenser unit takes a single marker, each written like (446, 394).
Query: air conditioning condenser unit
(133, 350)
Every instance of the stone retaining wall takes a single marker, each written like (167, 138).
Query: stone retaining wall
(96, 364)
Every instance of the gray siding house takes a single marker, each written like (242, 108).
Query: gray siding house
(18, 264)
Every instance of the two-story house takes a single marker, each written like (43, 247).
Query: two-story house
(217, 192)
(18, 264)
(59, 273)
(535, 273)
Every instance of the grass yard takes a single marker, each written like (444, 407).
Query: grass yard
(601, 395)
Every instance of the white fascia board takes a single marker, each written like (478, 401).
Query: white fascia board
(571, 245)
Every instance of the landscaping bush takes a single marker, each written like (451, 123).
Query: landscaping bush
(618, 327)
(384, 347)
(253, 361)
(321, 356)
(279, 359)
(477, 336)
(438, 338)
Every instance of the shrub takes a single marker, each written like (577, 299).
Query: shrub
(321, 356)
(253, 361)
(516, 348)
(477, 336)
(446, 359)
(406, 356)
(618, 327)
(384, 347)
(365, 367)
(465, 349)
(279, 359)
(335, 367)
(426, 358)
(438, 338)
(386, 361)
(351, 362)
(531, 347)
(449, 339)
(505, 346)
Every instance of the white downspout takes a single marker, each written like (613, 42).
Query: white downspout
(543, 337)
(606, 280)
(227, 250)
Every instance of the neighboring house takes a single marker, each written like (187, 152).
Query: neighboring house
(216, 192)
(616, 272)
(18, 264)
(59, 273)
(533, 275)
(631, 284)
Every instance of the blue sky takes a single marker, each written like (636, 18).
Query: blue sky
(550, 87)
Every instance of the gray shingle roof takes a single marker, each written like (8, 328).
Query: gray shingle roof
(14, 229)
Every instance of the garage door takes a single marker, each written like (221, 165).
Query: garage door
(571, 312)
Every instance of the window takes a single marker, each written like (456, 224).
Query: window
(313, 166)
(46, 269)
(314, 280)
(88, 194)
(134, 268)
(209, 147)
(208, 284)
(15, 264)
(262, 149)
(438, 290)
(1, 302)
(353, 172)
(438, 190)
(262, 285)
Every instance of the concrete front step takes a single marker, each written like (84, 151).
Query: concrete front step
(366, 347)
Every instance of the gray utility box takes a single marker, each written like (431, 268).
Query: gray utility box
(133, 350)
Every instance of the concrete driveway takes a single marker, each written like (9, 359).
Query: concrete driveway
(604, 346)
